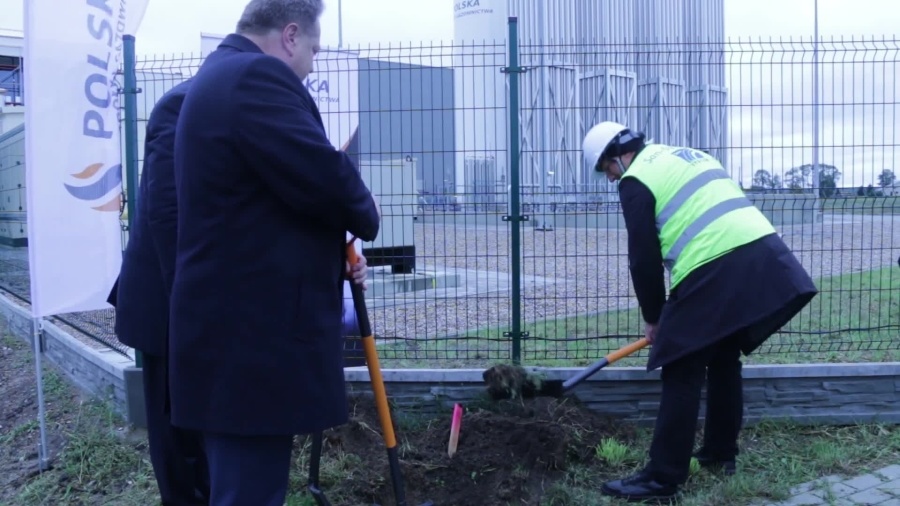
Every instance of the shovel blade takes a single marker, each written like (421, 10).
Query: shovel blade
(551, 388)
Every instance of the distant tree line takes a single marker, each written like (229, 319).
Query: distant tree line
(799, 180)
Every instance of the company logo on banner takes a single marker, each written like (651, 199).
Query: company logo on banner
(106, 188)
(469, 7)
(334, 85)
(73, 153)
(320, 90)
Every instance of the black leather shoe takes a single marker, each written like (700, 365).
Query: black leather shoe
(640, 487)
(727, 466)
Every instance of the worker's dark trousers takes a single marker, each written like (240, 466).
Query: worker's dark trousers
(682, 382)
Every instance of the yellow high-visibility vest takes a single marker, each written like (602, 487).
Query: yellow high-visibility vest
(701, 213)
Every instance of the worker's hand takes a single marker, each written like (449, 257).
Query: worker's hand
(358, 272)
(650, 331)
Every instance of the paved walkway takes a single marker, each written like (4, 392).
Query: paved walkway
(881, 488)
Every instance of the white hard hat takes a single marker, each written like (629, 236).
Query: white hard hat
(598, 139)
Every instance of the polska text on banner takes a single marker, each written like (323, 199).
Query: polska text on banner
(73, 53)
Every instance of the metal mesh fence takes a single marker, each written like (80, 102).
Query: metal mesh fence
(498, 244)
(752, 105)
(93, 327)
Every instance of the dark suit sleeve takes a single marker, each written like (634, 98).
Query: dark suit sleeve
(159, 162)
(282, 138)
(644, 249)
(113, 296)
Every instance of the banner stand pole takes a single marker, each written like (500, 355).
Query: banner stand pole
(43, 459)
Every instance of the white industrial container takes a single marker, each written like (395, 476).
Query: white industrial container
(392, 182)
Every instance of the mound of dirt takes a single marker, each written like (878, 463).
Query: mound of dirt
(510, 452)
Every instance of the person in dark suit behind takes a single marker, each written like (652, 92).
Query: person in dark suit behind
(264, 205)
(141, 299)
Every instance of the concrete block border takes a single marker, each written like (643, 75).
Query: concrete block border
(800, 393)
(99, 373)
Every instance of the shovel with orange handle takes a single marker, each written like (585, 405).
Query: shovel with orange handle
(505, 381)
(381, 403)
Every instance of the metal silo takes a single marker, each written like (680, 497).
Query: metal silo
(638, 62)
(659, 42)
(548, 98)
(581, 73)
(607, 78)
(707, 97)
(480, 98)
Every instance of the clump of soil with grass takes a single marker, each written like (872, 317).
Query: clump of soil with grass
(508, 451)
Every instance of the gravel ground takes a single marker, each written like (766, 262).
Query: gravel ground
(587, 269)
(592, 268)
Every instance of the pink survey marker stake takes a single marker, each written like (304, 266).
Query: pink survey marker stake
(454, 429)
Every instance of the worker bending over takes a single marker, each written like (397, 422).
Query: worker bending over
(734, 283)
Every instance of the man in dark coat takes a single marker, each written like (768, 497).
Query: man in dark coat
(265, 202)
(141, 298)
(735, 283)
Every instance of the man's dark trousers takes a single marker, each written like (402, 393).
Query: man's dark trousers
(682, 383)
(248, 469)
(176, 454)
(141, 298)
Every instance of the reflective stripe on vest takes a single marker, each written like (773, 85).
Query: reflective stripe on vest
(685, 193)
(718, 220)
(713, 213)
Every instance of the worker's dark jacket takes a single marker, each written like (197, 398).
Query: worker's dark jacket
(754, 290)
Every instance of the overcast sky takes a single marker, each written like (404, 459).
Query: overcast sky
(174, 26)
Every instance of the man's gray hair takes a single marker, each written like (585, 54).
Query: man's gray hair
(262, 16)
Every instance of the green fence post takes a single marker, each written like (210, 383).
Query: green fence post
(515, 216)
(131, 162)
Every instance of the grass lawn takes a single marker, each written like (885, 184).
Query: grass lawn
(834, 327)
(862, 205)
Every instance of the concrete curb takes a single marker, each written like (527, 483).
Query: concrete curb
(799, 393)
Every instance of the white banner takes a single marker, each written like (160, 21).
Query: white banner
(334, 85)
(73, 157)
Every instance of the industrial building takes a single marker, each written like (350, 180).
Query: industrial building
(13, 228)
(434, 128)
(655, 65)
(395, 118)
(12, 48)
